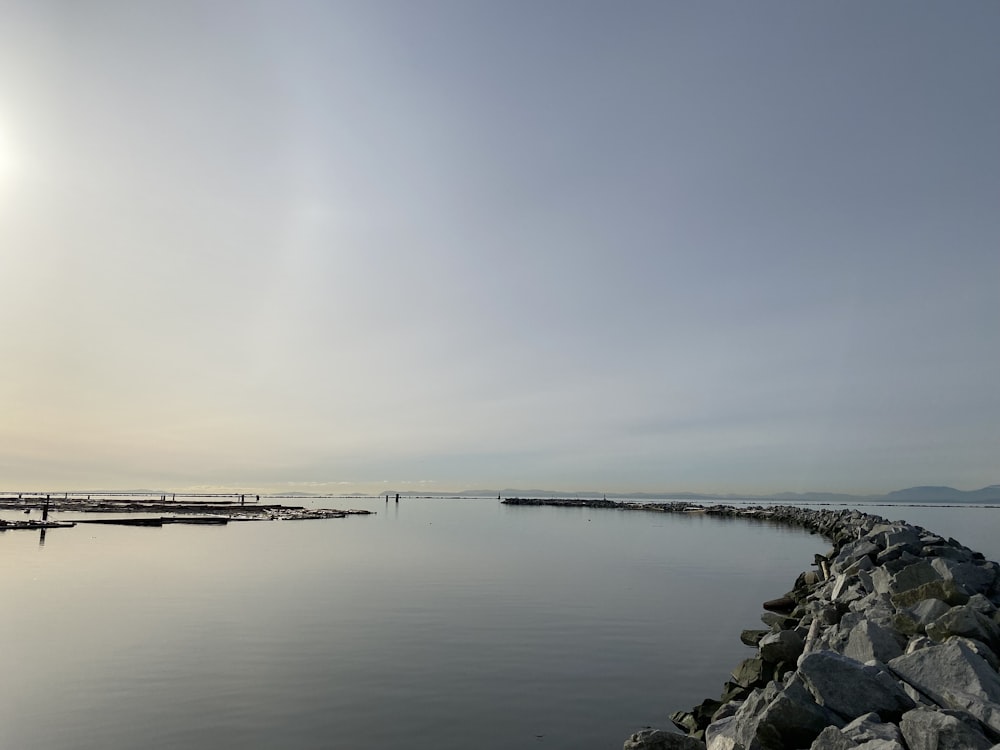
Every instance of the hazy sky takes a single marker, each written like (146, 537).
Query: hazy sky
(622, 246)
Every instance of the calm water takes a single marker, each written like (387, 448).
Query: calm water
(434, 624)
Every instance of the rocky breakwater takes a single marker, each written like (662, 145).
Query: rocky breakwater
(891, 643)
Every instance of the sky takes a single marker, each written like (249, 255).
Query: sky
(454, 244)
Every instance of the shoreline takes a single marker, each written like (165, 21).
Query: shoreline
(891, 643)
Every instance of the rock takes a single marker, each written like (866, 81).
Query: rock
(684, 720)
(781, 605)
(775, 620)
(705, 710)
(982, 605)
(776, 718)
(852, 552)
(946, 591)
(869, 641)
(806, 580)
(979, 648)
(860, 565)
(905, 536)
(783, 646)
(847, 589)
(726, 710)
(851, 689)
(958, 554)
(926, 729)
(659, 739)
(721, 735)
(733, 691)
(751, 672)
(966, 621)
(948, 674)
(832, 738)
(871, 727)
(972, 577)
(918, 642)
(915, 619)
(986, 712)
(752, 637)
(912, 576)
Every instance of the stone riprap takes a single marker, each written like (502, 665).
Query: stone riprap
(891, 643)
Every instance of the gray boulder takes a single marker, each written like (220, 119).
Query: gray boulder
(871, 727)
(832, 738)
(783, 646)
(982, 605)
(868, 641)
(752, 637)
(978, 647)
(946, 672)
(774, 718)
(750, 672)
(853, 551)
(966, 621)
(659, 739)
(915, 619)
(926, 729)
(947, 551)
(721, 735)
(946, 591)
(976, 578)
(912, 576)
(905, 536)
(850, 688)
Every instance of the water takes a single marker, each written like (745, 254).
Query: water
(434, 624)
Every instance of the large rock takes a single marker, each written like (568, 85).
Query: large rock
(659, 739)
(946, 591)
(832, 738)
(774, 718)
(913, 576)
(783, 646)
(721, 735)
(926, 729)
(751, 672)
(976, 578)
(966, 621)
(852, 552)
(915, 619)
(871, 727)
(903, 535)
(752, 637)
(868, 641)
(850, 688)
(948, 674)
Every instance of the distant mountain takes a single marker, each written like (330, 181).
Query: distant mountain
(989, 494)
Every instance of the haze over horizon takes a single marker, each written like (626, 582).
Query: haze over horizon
(714, 247)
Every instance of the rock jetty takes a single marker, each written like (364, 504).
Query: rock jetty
(891, 643)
